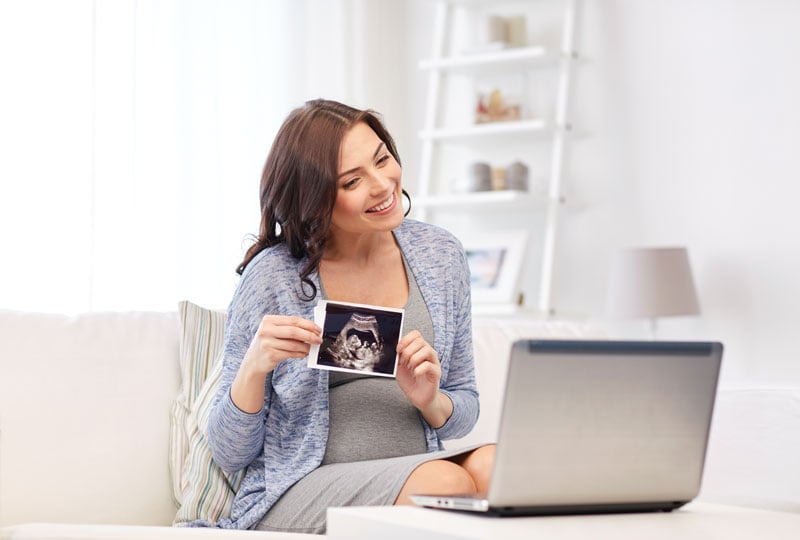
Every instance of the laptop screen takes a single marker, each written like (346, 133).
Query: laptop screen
(604, 422)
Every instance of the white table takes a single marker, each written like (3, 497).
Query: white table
(698, 521)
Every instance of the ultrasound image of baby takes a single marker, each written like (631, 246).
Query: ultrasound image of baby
(358, 338)
(359, 345)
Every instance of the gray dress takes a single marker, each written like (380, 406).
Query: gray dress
(375, 441)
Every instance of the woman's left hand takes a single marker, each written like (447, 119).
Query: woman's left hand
(418, 374)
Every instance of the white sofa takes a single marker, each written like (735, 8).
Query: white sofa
(85, 407)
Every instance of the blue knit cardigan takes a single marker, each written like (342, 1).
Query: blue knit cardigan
(286, 440)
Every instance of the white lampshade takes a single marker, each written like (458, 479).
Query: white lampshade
(651, 283)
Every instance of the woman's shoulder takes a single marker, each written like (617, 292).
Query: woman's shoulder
(425, 235)
(272, 273)
(268, 284)
(268, 261)
(431, 249)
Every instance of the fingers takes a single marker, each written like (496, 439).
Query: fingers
(419, 372)
(295, 329)
(279, 338)
(427, 371)
(281, 349)
(409, 338)
(416, 354)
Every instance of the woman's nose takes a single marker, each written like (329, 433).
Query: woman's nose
(380, 181)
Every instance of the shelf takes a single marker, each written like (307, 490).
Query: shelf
(517, 57)
(505, 198)
(539, 77)
(492, 128)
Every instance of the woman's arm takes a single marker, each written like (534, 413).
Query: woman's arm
(440, 267)
(236, 425)
(419, 374)
(445, 395)
(458, 371)
(458, 385)
(277, 339)
(447, 399)
(234, 435)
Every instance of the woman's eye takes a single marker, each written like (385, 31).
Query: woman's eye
(383, 159)
(350, 183)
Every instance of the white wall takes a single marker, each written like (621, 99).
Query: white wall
(692, 126)
(701, 124)
(133, 134)
(691, 122)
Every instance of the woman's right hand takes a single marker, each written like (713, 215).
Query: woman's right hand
(278, 338)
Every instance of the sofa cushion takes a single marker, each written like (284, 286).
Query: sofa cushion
(57, 531)
(202, 490)
(84, 408)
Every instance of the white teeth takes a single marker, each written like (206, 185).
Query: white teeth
(383, 206)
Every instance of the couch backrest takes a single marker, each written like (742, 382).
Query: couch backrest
(85, 417)
(492, 339)
(753, 457)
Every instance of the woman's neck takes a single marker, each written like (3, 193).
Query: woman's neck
(365, 271)
(359, 248)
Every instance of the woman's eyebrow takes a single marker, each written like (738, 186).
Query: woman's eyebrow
(377, 151)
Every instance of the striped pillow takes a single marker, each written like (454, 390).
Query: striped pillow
(200, 488)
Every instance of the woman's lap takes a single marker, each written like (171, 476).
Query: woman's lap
(363, 483)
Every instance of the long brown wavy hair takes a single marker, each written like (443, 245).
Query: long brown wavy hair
(299, 182)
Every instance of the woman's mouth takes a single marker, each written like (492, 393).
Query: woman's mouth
(385, 205)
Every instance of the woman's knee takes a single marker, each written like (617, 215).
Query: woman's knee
(447, 476)
(438, 477)
(479, 464)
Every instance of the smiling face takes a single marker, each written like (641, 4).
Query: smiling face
(368, 194)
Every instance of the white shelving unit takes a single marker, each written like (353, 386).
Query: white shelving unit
(481, 130)
(516, 57)
(507, 198)
(532, 132)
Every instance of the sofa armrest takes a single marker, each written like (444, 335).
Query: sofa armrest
(753, 456)
(84, 417)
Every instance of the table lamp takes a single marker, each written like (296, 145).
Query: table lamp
(651, 283)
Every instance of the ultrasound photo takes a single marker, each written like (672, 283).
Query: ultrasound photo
(357, 338)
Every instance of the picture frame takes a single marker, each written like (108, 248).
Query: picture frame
(495, 262)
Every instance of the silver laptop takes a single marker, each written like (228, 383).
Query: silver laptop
(599, 426)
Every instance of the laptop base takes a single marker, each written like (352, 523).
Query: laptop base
(573, 509)
(478, 504)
